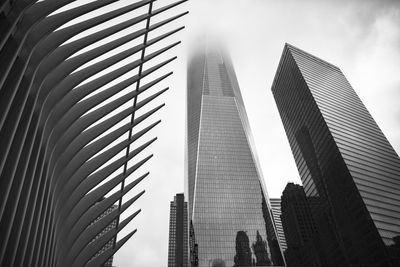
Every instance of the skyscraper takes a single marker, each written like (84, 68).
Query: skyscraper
(299, 228)
(228, 206)
(350, 172)
(71, 84)
(276, 212)
(110, 243)
(178, 233)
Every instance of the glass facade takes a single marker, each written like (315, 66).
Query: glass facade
(231, 218)
(350, 172)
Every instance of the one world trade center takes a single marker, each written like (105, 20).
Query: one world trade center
(229, 212)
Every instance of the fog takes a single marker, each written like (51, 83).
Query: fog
(363, 40)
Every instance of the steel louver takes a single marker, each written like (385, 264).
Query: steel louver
(58, 150)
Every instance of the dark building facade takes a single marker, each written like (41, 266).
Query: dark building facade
(64, 144)
(110, 243)
(350, 172)
(228, 209)
(276, 212)
(299, 228)
(178, 233)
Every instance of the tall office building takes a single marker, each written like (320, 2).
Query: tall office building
(178, 233)
(108, 228)
(350, 172)
(228, 207)
(299, 228)
(72, 74)
(276, 212)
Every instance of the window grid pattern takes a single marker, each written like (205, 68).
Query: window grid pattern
(110, 243)
(229, 212)
(356, 134)
(276, 212)
(178, 233)
(299, 227)
(334, 141)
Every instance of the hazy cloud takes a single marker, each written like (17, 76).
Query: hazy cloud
(360, 37)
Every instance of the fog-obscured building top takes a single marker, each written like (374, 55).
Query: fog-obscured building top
(228, 205)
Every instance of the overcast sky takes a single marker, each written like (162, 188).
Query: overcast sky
(361, 38)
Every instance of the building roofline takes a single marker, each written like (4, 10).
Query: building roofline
(291, 48)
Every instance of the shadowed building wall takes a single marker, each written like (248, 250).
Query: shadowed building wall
(299, 228)
(228, 207)
(178, 233)
(350, 172)
(110, 243)
(67, 125)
